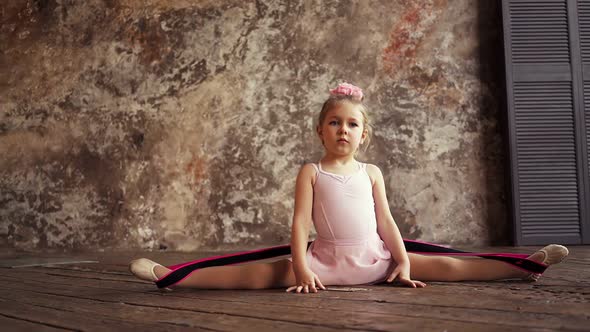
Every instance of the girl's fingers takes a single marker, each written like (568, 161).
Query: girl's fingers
(392, 277)
(409, 282)
(414, 283)
(296, 289)
(319, 283)
(313, 289)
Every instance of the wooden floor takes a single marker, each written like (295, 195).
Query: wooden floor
(48, 292)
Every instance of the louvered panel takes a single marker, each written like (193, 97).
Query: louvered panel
(587, 120)
(546, 162)
(539, 32)
(584, 28)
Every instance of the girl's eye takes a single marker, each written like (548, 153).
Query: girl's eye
(354, 124)
(333, 123)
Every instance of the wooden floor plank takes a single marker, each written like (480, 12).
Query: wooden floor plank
(527, 297)
(266, 307)
(63, 296)
(150, 314)
(73, 321)
(310, 316)
(19, 325)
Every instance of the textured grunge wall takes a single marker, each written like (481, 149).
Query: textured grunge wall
(182, 124)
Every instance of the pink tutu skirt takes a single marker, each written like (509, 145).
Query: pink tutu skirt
(350, 262)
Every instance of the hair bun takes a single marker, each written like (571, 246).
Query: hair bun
(347, 89)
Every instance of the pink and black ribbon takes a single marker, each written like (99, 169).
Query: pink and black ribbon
(181, 271)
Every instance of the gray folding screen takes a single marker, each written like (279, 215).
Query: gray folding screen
(547, 59)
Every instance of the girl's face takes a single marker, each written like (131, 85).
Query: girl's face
(342, 130)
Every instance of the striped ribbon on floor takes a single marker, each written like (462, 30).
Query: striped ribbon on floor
(181, 271)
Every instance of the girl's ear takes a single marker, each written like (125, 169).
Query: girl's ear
(364, 135)
(320, 135)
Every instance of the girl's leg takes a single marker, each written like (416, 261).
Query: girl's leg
(445, 268)
(249, 276)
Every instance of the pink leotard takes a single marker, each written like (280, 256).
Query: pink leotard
(348, 249)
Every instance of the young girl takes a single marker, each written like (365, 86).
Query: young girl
(357, 241)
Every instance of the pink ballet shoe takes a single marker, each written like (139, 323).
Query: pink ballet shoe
(553, 254)
(143, 268)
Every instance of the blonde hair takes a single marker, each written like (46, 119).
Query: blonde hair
(334, 100)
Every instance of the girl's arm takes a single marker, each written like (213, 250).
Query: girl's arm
(305, 278)
(388, 230)
(302, 216)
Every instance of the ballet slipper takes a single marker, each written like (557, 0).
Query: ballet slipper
(143, 268)
(553, 254)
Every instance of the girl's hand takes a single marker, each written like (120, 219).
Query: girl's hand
(402, 272)
(306, 282)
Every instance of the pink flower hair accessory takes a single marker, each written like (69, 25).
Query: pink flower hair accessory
(346, 89)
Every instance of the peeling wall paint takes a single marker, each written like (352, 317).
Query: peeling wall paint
(182, 124)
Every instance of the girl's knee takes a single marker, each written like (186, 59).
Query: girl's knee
(271, 275)
(259, 283)
(450, 265)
